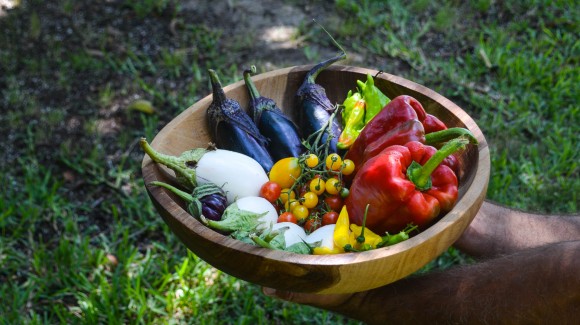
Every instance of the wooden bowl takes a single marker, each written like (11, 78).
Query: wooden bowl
(341, 273)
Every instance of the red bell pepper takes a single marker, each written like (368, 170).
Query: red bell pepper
(404, 185)
(398, 123)
(432, 124)
(402, 120)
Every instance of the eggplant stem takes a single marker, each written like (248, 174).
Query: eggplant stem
(254, 93)
(313, 73)
(184, 195)
(218, 92)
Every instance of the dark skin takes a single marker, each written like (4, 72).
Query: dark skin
(529, 273)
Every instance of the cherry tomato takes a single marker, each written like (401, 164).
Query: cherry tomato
(344, 192)
(287, 194)
(290, 205)
(317, 185)
(285, 172)
(334, 202)
(333, 162)
(329, 218)
(310, 200)
(311, 160)
(347, 167)
(300, 212)
(312, 224)
(287, 217)
(303, 189)
(270, 191)
(333, 186)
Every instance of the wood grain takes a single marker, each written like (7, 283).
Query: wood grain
(349, 272)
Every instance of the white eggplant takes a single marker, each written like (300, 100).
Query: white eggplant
(260, 206)
(293, 233)
(237, 174)
(322, 237)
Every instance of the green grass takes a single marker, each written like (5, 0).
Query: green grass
(71, 193)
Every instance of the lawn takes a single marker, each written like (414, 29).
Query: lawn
(82, 81)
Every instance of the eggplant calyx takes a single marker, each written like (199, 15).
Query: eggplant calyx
(218, 93)
(184, 165)
(313, 73)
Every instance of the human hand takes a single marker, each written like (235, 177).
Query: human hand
(324, 301)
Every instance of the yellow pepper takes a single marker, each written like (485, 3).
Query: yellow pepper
(327, 251)
(370, 238)
(342, 234)
(345, 235)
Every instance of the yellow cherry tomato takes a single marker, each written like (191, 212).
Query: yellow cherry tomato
(290, 205)
(310, 200)
(317, 185)
(333, 186)
(333, 162)
(311, 160)
(300, 212)
(347, 167)
(287, 195)
(285, 172)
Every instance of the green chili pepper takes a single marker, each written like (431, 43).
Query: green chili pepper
(374, 98)
(403, 235)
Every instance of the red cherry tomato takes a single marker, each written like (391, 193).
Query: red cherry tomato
(303, 190)
(287, 217)
(270, 191)
(334, 202)
(329, 218)
(312, 224)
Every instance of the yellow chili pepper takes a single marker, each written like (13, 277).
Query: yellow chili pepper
(342, 234)
(370, 238)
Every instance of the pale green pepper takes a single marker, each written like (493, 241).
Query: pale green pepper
(374, 98)
(354, 119)
(359, 108)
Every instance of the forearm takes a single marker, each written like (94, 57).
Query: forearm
(500, 230)
(534, 285)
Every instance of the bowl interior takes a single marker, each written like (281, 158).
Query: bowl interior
(340, 273)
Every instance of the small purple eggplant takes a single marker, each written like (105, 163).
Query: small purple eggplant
(282, 133)
(313, 108)
(207, 199)
(232, 128)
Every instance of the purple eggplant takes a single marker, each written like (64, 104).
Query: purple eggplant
(314, 110)
(233, 129)
(207, 200)
(282, 133)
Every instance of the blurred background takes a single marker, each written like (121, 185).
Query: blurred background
(82, 81)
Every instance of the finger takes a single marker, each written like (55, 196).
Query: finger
(317, 300)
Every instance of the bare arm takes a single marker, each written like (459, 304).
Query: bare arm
(533, 278)
(535, 285)
(500, 230)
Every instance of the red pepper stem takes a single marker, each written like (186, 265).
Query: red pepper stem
(434, 138)
(421, 175)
